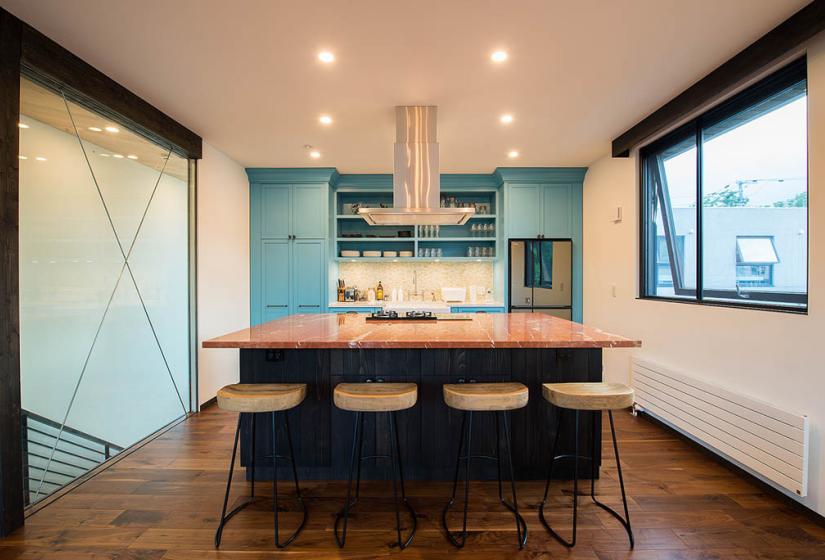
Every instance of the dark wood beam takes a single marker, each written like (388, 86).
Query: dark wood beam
(771, 47)
(11, 463)
(110, 98)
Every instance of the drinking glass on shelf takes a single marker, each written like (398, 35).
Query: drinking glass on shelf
(474, 230)
(420, 252)
(469, 251)
(492, 230)
(439, 253)
(436, 230)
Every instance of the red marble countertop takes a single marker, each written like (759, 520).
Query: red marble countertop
(484, 330)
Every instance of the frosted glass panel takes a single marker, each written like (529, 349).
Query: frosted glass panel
(104, 288)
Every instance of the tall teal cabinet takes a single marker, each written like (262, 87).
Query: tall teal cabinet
(547, 203)
(289, 228)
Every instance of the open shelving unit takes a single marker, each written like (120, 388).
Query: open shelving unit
(351, 232)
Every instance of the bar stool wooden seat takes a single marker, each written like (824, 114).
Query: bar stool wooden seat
(472, 398)
(594, 397)
(376, 397)
(249, 400)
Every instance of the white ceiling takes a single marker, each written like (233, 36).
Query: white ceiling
(244, 74)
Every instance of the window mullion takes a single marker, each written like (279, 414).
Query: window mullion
(699, 208)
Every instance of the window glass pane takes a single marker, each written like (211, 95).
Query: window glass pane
(671, 191)
(754, 203)
(103, 288)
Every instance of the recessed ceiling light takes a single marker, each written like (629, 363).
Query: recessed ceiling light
(95, 129)
(325, 119)
(104, 155)
(40, 158)
(112, 129)
(22, 125)
(315, 154)
(118, 156)
(506, 118)
(132, 156)
(498, 56)
(513, 154)
(22, 157)
(326, 57)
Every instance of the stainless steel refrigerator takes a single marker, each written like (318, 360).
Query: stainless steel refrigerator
(541, 276)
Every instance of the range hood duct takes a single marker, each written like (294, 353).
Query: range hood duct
(416, 179)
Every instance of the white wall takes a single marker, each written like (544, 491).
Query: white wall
(223, 265)
(775, 357)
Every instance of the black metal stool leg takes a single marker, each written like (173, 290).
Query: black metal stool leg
(395, 454)
(575, 458)
(224, 517)
(357, 438)
(459, 543)
(521, 525)
(298, 498)
(252, 465)
(626, 520)
(275, 476)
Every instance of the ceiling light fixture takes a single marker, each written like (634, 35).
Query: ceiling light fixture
(22, 125)
(513, 154)
(22, 157)
(326, 57)
(104, 155)
(325, 119)
(40, 158)
(132, 156)
(112, 129)
(315, 154)
(95, 129)
(498, 56)
(118, 156)
(506, 118)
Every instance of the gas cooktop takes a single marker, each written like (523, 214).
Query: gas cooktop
(384, 315)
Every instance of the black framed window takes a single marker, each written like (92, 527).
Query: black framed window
(725, 201)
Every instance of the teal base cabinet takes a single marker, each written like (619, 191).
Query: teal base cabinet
(289, 215)
(464, 309)
(546, 203)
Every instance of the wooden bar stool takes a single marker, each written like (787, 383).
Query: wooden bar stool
(485, 397)
(594, 397)
(376, 397)
(252, 399)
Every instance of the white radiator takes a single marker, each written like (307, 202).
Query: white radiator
(767, 440)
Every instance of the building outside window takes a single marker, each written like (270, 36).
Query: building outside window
(726, 195)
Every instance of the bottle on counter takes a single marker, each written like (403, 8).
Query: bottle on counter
(379, 292)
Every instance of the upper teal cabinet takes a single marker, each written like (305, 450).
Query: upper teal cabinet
(293, 211)
(542, 202)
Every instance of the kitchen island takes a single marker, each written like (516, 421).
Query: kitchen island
(323, 350)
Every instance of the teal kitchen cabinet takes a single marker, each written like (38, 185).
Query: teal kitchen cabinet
(275, 279)
(289, 225)
(524, 210)
(546, 202)
(308, 272)
(463, 309)
(542, 210)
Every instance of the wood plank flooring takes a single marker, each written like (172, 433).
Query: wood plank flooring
(163, 502)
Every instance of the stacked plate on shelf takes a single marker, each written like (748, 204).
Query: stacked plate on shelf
(391, 254)
(405, 254)
(347, 253)
(372, 253)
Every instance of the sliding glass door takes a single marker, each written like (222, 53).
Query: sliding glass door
(104, 287)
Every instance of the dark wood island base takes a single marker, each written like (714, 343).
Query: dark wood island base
(429, 432)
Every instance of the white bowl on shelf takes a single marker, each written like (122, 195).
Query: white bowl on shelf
(391, 254)
(405, 253)
(372, 253)
(350, 253)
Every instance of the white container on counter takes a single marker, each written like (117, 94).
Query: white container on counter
(453, 294)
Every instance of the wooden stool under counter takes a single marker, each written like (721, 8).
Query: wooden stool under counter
(251, 399)
(594, 397)
(376, 397)
(499, 398)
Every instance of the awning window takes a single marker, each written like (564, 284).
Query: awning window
(755, 250)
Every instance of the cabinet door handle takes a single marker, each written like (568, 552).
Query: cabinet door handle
(308, 306)
(275, 306)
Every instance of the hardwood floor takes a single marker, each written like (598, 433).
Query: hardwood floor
(163, 502)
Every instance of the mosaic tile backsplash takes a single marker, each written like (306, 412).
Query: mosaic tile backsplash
(432, 276)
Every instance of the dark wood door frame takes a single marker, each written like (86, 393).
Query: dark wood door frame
(23, 47)
(774, 47)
